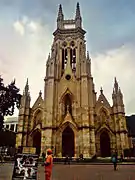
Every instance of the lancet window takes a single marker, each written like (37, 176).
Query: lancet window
(64, 56)
(72, 56)
(73, 59)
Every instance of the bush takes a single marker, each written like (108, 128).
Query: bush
(7, 138)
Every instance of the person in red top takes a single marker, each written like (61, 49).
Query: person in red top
(48, 165)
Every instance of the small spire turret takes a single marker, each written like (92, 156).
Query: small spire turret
(40, 93)
(116, 86)
(101, 90)
(88, 57)
(78, 14)
(60, 13)
(78, 18)
(26, 89)
(60, 17)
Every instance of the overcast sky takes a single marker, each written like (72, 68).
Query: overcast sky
(26, 28)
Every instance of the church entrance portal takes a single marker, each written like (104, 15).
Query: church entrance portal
(68, 142)
(37, 141)
(105, 144)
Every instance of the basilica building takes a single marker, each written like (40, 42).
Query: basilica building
(70, 118)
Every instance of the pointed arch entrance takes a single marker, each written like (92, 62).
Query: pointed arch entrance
(68, 144)
(37, 141)
(105, 149)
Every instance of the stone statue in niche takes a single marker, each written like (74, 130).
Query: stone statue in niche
(63, 109)
(67, 109)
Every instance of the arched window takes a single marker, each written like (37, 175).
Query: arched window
(73, 59)
(64, 59)
(64, 56)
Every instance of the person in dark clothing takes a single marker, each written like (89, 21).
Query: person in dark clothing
(67, 160)
(1, 158)
(81, 156)
(43, 156)
(114, 161)
(121, 157)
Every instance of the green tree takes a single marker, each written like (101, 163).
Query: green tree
(9, 99)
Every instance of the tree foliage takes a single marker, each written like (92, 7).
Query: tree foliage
(9, 99)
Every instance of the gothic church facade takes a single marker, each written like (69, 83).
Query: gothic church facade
(70, 118)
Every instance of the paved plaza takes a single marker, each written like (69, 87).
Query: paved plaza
(78, 172)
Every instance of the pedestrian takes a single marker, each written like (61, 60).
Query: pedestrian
(48, 165)
(114, 161)
(1, 158)
(66, 159)
(81, 156)
(43, 156)
(121, 157)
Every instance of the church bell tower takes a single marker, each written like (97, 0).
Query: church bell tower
(69, 93)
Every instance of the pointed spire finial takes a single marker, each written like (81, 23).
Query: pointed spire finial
(60, 8)
(26, 87)
(27, 82)
(49, 56)
(116, 85)
(101, 90)
(40, 93)
(78, 18)
(88, 57)
(14, 81)
(78, 14)
(60, 13)
(60, 18)
(115, 80)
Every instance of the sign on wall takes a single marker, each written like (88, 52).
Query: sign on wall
(29, 150)
(25, 167)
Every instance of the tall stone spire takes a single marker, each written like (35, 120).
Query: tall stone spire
(60, 17)
(78, 18)
(25, 100)
(117, 97)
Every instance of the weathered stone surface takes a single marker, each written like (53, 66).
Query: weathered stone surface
(87, 116)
